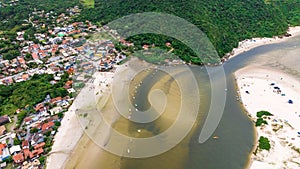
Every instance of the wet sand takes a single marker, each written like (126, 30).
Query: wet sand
(89, 155)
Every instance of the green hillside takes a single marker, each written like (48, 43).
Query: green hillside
(226, 22)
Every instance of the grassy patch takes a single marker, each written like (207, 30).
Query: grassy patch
(88, 3)
(101, 36)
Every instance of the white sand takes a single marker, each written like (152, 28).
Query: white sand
(249, 44)
(70, 131)
(261, 96)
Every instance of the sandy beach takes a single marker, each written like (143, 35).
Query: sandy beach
(71, 131)
(257, 90)
(249, 44)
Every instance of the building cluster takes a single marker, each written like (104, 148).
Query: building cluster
(34, 137)
(8, 3)
(63, 46)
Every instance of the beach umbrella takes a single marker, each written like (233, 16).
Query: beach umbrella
(272, 84)
(290, 101)
(247, 92)
(298, 132)
(276, 87)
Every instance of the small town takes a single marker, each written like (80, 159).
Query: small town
(135, 84)
(27, 134)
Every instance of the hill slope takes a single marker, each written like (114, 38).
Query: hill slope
(226, 22)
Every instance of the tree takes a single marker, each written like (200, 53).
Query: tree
(17, 141)
(34, 130)
(264, 143)
(42, 159)
(57, 123)
(28, 56)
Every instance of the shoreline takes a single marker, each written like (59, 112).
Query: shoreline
(71, 130)
(248, 44)
(283, 140)
(62, 149)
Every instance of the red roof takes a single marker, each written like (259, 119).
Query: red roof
(27, 153)
(70, 70)
(69, 83)
(18, 158)
(36, 152)
(38, 146)
(35, 56)
(25, 76)
(25, 144)
(2, 146)
(35, 46)
(27, 119)
(39, 106)
(48, 125)
(21, 60)
(145, 47)
(54, 100)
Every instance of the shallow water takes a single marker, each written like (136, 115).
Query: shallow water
(235, 130)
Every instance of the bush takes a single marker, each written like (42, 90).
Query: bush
(57, 123)
(260, 121)
(264, 143)
(263, 113)
(17, 141)
(42, 159)
(34, 130)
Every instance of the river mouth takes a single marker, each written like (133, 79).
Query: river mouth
(235, 131)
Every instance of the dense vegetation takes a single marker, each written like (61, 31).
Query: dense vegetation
(12, 17)
(264, 143)
(29, 93)
(226, 22)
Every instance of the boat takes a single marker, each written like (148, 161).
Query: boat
(215, 137)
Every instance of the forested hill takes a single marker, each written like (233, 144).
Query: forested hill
(226, 22)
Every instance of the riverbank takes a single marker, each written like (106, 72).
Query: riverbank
(70, 132)
(249, 44)
(259, 91)
(69, 135)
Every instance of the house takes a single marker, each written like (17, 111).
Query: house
(4, 120)
(15, 149)
(18, 158)
(36, 139)
(39, 106)
(40, 145)
(4, 152)
(55, 110)
(3, 165)
(27, 120)
(2, 130)
(35, 56)
(27, 153)
(25, 76)
(31, 165)
(25, 144)
(55, 100)
(47, 126)
(37, 152)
